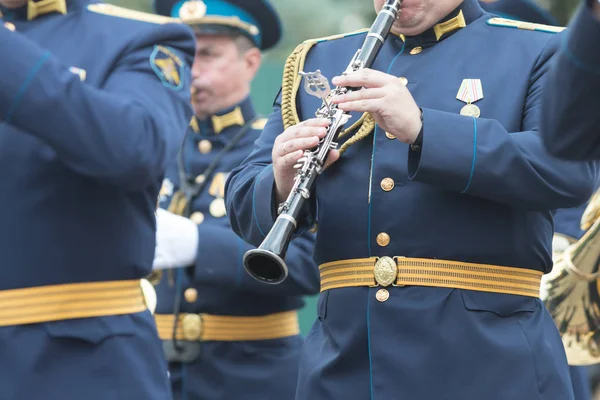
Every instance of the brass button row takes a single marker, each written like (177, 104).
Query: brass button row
(387, 184)
(385, 272)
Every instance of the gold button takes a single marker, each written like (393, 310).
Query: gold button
(390, 136)
(200, 179)
(197, 217)
(191, 327)
(217, 208)
(383, 239)
(10, 26)
(382, 295)
(191, 295)
(205, 146)
(403, 81)
(416, 50)
(387, 184)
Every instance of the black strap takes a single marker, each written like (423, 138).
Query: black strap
(190, 188)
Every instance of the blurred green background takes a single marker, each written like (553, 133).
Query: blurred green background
(317, 18)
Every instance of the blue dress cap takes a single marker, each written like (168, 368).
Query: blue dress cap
(256, 19)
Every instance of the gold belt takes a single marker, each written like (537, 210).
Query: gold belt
(68, 301)
(402, 271)
(204, 327)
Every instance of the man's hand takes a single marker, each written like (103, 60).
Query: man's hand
(176, 241)
(386, 98)
(289, 147)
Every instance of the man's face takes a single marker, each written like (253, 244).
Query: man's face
(13, 3)
(219, 75)
(416, 16)
(412, 11)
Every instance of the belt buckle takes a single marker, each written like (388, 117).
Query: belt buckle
(385, 271)
(191, 327)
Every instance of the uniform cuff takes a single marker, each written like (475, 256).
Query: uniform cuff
(21, 62)
(448, 153)
(264, 209)
(580, 46)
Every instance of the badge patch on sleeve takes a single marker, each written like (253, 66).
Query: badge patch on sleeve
(168, 67)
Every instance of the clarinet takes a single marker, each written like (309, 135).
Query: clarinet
(266, 263)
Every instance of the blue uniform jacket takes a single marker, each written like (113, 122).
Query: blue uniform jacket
(570, 123)
(480, 190)
(89, 117)
(231, 370)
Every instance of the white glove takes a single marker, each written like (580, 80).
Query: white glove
(559, 244)
(176, 241)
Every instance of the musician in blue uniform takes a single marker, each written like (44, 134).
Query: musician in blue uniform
(570, 120)
(528, 11)
(235, 338)
(434, 215)
(94, 101)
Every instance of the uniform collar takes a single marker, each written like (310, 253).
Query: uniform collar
(460, 17)
(34, 9)
(237, 115)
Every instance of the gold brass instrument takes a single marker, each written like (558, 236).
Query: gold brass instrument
(571, 291)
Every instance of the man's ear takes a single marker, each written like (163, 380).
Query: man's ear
(253, 60)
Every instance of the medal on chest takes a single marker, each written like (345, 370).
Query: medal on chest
(469, 92)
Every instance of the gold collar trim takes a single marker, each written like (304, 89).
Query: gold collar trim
(451, 25)
(221, 122)
(36, 9)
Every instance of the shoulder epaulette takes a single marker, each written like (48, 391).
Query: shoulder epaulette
(109, 9)
(291, 80)
(291, 83)
(334, 37)
(529, 26)
(259, 123)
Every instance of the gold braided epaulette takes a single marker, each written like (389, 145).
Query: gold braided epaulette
(291, 83)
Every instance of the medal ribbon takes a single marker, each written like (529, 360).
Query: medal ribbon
(470, 91)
